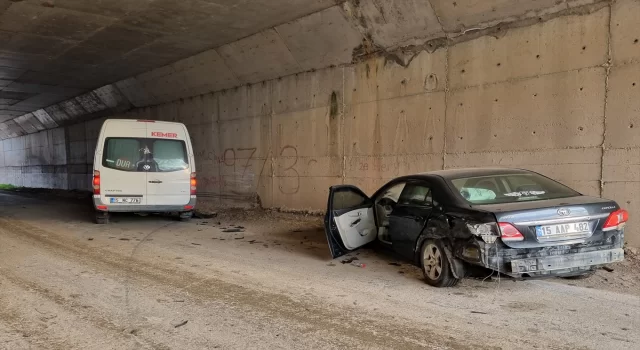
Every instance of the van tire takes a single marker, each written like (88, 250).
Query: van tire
(186, 216)
(102, 218)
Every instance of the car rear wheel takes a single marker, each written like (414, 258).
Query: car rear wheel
(435, 265)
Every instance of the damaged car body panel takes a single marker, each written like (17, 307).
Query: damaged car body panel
(516, 222)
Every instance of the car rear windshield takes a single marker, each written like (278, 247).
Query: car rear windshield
(509, 188)
(145, 154)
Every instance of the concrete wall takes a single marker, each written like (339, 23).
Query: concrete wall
(60, 158)
(559, 97)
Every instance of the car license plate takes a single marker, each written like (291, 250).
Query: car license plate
(123, 200)
(562, 229)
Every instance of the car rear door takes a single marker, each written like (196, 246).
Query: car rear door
(120, 181)
(168, 181)
(349, 222)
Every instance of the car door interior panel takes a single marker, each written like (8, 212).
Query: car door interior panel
(357, 227)
(350, 221)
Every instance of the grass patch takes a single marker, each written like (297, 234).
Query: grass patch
(7, 187)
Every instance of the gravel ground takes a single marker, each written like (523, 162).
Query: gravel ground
(154, 283)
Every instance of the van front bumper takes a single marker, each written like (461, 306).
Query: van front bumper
(144, 208)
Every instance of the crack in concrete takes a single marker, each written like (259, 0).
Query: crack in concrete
(607, 66)
(449, 39)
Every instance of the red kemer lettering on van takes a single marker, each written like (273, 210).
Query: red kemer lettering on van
(163, 134)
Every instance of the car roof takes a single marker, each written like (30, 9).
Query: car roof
(472, 172)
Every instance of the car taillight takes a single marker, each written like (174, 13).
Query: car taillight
(96, 182)
(509, 233)
(616, 220)
(194, 184)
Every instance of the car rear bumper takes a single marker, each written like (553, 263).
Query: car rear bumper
(546, 261)
(144, 208)
(562, 264)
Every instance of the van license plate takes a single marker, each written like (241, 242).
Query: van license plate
(125, 200)
(562, 229)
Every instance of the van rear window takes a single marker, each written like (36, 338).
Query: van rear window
(144, 154)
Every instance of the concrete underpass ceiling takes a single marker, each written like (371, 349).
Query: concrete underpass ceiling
(65, 61)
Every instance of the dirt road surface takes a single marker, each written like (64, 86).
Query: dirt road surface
(154, 283)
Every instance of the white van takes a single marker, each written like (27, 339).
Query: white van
(143, 166)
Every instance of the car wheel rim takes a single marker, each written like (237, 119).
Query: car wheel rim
(432, 261)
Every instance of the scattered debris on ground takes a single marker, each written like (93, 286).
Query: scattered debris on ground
(349, 260)
(622, 277)
(204, 214)
(352, 261)
(179, 324)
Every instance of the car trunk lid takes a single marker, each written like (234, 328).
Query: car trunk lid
(553, 221)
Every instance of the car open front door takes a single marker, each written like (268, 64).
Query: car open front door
(349, 222)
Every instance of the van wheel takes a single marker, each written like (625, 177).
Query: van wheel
(435, 265)
(102, 218)
(184, 217)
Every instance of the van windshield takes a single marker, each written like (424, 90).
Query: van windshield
(509, 188)
(144, 154)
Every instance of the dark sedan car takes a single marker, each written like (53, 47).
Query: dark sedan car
(515, 222)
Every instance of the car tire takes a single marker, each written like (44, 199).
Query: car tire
(102, 218)
(435, 265)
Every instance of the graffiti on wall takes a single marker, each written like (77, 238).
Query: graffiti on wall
(240, 167)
